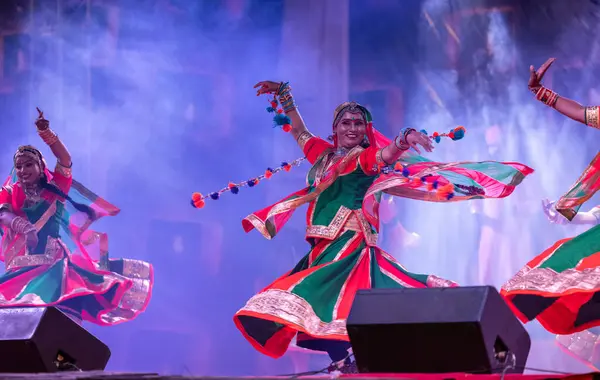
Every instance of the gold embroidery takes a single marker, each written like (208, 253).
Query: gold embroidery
(591, 117)
(371, 237)
(331, 231)
(437, 282)
(295, 310)
(63, 170)
(581, 344)
(54, 252)
(303, 139)
(549, 281)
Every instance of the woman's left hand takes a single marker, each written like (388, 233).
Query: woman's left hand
(41, 123)
(414, 139)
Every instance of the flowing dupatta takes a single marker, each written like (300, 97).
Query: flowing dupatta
(87, 248)
(586, 186)
(471, 180)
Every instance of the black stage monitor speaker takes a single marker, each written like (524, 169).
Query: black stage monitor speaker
(36, 339)
(436, 330)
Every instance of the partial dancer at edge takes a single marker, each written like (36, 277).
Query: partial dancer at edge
(312, 301)
(50, 255)
(560, 287)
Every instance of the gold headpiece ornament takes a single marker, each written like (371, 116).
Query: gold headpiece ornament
(30, 152)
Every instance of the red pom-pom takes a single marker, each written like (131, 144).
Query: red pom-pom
(286, 127)
(199, 203)
(274, 104)
(287, 167)
(231, 185)
(268, 173)
(398, 166)
(280, 111)
(451, 135)
(196, 197)
(435, 134)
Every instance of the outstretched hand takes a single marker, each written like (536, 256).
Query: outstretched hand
(535, 77)
(40, 122)
(267, 87)
(414, 139)
(551, 213)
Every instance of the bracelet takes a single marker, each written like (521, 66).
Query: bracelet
(591, 117)
(48, 136)
(21, 226)
(546, 96)
(401, 143)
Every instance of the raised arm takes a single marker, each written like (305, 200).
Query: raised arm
(59, 150)
(283, 92)
(584, 114)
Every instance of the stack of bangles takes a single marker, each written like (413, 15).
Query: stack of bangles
(285, 97)
(21, 226)
(546, 96)
(48, 136)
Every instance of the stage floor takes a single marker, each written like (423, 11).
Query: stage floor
(146, 376)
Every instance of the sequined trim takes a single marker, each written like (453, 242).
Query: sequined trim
(54, 252)
(580, 344)
(303, 139)
(437, 282)
(63, 170)
(363, 256)
(591, 117)
(333, 229)
(371, 237)
(549, 281)
(295, 310)
(135, 299)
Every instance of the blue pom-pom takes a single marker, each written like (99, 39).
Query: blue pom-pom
(192, 203)
(435, 184)
(234, 189)
(270, 170)
(424, 179)
(270, 109)
(450, 196)
(423, 131)
(458, 134)
(250, 183)
(438, 138)
(281, 119)
(214, 196)
(405, 172)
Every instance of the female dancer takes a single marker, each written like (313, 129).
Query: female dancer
(583, 344)
(312, 301)
(560, 287)
(50, 255)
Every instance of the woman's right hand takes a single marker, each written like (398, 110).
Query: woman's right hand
(535, 77)
(551, 213)
(267, 87)
(31, 239)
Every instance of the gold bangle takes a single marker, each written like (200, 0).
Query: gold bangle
(48, 136)
(591, 117)
(303, 139)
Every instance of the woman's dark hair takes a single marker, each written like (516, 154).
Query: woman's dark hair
(79, 206)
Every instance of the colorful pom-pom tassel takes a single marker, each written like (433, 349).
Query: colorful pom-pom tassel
(280, 120)
(268, 173)
(458, 133)
(233, 188)
(287, 127)
(398, 167)
(214, 196)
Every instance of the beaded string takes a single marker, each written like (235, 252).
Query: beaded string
(198, 200)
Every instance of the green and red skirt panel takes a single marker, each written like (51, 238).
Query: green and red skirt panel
(561, 287)
(315, 298)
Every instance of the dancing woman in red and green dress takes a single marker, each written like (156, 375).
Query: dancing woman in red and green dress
(560, 287)
(51, 256)
(312, 301)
